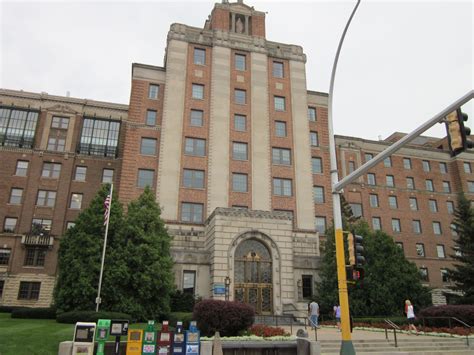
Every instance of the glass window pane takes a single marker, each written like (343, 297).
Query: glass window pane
(240, 96)
(317, 166)
(277, 70)
(279, 103)
(198, 91)
(145, 177)
(150, 117)
(280, 129)
(148, 146)
(239, 182)
(199, 56)
(240, 123)
(239, 151)
(312, 113)
(197, 118)
(240, 62)
(153, 91)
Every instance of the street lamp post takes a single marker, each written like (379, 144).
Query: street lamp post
(227, 287)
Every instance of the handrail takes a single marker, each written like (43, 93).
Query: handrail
(450, 324)
(395, 328)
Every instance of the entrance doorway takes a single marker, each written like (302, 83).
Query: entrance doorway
(253, 276)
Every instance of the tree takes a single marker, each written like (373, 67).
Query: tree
(389, 280)
(149, 263)
(80, 253)
(463, 272)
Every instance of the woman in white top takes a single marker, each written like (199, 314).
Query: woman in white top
(410, 315)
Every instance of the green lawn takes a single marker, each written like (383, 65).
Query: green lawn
(36, 336)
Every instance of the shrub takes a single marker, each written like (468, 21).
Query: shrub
(182, 302)
(8, 309)
(265, 331)
(89, 316)
(462, 312)
(228, 318)
(380, 320)
(34, 313)
(185, 317)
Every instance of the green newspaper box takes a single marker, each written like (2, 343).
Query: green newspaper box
(102, 334)
(149, 339)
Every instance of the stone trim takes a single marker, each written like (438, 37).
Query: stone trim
(239, 212)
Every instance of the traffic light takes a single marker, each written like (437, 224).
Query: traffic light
(354, 273)
(356, 249)
(458, 134)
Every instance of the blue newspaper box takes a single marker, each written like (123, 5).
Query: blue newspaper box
(192, 340)
(178, 340)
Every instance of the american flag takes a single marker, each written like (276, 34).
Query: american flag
(106, 211)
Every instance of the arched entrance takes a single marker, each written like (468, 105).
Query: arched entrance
(253, 276)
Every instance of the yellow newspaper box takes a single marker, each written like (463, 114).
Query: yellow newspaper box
(134, 342)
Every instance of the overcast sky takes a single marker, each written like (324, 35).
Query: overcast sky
(402, 61)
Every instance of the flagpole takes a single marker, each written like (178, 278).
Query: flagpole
(98, 300)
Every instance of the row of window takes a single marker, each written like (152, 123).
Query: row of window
(10, 223)
(410, 183)
(425, 277)
(440, 250)
(416, 226)
(413, 203)
(53, 171)
(44, 198)
(34, 256)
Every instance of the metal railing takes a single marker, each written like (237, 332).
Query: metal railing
(450, 322)
(394, 327)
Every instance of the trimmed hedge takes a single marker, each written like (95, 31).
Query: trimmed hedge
(185, 317)
(377, 320)
(8, 309)
(229, 318)
(34, 313)
(182, 302)
(90, 316)
(462, 312)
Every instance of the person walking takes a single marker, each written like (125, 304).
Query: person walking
(337, 315)
(410, 316)
(313, 314)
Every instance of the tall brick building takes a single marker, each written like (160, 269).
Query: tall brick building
(235, 147)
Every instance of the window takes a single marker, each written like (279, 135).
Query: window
(44, 224)
(280, 129)
(429, 185)
(99, 137)
(446, 186)
(191, 212)
(195, 146)
(368, 156)
(470, 186)
(424, 274)
(81, 172)
(316, 165)
(426, 165)
(387, 162)
(240, 123)
(443, 168)
(407, 163)
(416, 224)
(390, 181)
(150, 117)
(189, 282)
(396, 225)
(107, 176)
(376, 223)
(279, 103)
(374, 200)
(60, 122)
(318, 194)
(193, 178)
(410, 183)
(240, 96)
(46, 198)
(282, 187)
(392, 201)
(437, 228)
(420, 249)
(356, 209)
(239, 182)
(307, 286)
(239, 151)
(2, 283)
(240, 62)
(413, 203)
(15, 196)
(313, 138)
(312, 113)
(70, 225)
(10, 224)
(351, 166)
(21, 168)
(450, 206)
(35, 256)
(29, 290)
(433, 205)
(153, 91)
(444, 275)
(5, 256)
(400, 245)
(371, 179)
(56, 144)
(198, 91)
(145, 177)
(440, 251)
(454, 230)
(277, 70)
(196, 118)
(17, 127)
(467, 168)
(148, 146)
(240, 207)
(199, 56)
(320, 225)
(76, 201)
(281, 156)
(51, 170)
